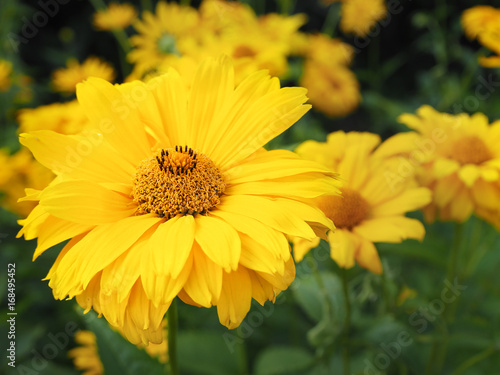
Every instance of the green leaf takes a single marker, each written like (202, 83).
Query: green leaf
(283, 360)
(117, 354)
(206, 353)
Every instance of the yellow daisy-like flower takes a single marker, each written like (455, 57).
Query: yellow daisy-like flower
(115, 17)
(359, 16)
(458, 158)
(65, 79)
(369, 210)
(171, 194)
(65, 118)
(333, 90)
(86, 356)
(20, 171)
(5, 75)
(162, 35)
(483, 22)
(328, 51)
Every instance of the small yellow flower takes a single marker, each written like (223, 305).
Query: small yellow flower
(5, 75)
(170, 193)
(115, 17)
(328, 51)
(483, 22)
(359, 16)
(458, 158)
(65, 79)
(333, 90)
(369, 210)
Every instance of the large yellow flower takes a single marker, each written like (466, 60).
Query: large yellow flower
(359, 16)
(65, 79)
(171, 193)
(163, 34)
(369, 210)
(483, 22)
(115, 17)
(458, 158)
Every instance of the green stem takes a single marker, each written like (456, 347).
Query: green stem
(474, 359)
(172, 338)
(332, 19)
(439, 351)
(285, 7)
(146, 5)
(347, 323)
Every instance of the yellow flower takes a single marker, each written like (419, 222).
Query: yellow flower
(458, 158)
(115, 17)
(369, 210)
(359, 16)
(171, 193)
(5, 75)
(483, 22)
(65, 79)
(328, 51)
(86, 356)
(333, 90)
(65, 118)
(162, 35)
(20, 171)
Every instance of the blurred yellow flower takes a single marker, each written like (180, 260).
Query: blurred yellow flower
(65, 118)
(5, 75)
(20, 171)
(483, 22)
(458, 158)
(369, 210)
(328, 51)
(359, 16)
(171, 194)
(333, 90)
(65, 79)
(162, 35)
(115, 17)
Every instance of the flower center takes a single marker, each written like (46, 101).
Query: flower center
(177, 181)
(470, 150)
(166, 44)
(345, 211)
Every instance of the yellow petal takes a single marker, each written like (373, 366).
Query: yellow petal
(262, 291)
(343, 247)
(204, 283)
(85, 202)
(469, 174)
(301, 247)
(409, 200)
(401, 143)
(235, 298)
(367, 257)
(390, 229)
(219, 241)
(170, 245)
(461, 207)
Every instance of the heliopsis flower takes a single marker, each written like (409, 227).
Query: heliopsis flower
(483, 22)
(328, 51)
(457, 157)
(115, 17)
(369, 210)
(65, 79)
(65, 118)
(333, 90)
(359, 16)
(20, 171)
(162, 35)
(171, 194)
(86, 356)
(5, 75)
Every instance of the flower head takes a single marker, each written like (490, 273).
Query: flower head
(359, 16)
(369, 210)
(65, 79)
(457, 157)
(170, 193)
(115, 17)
